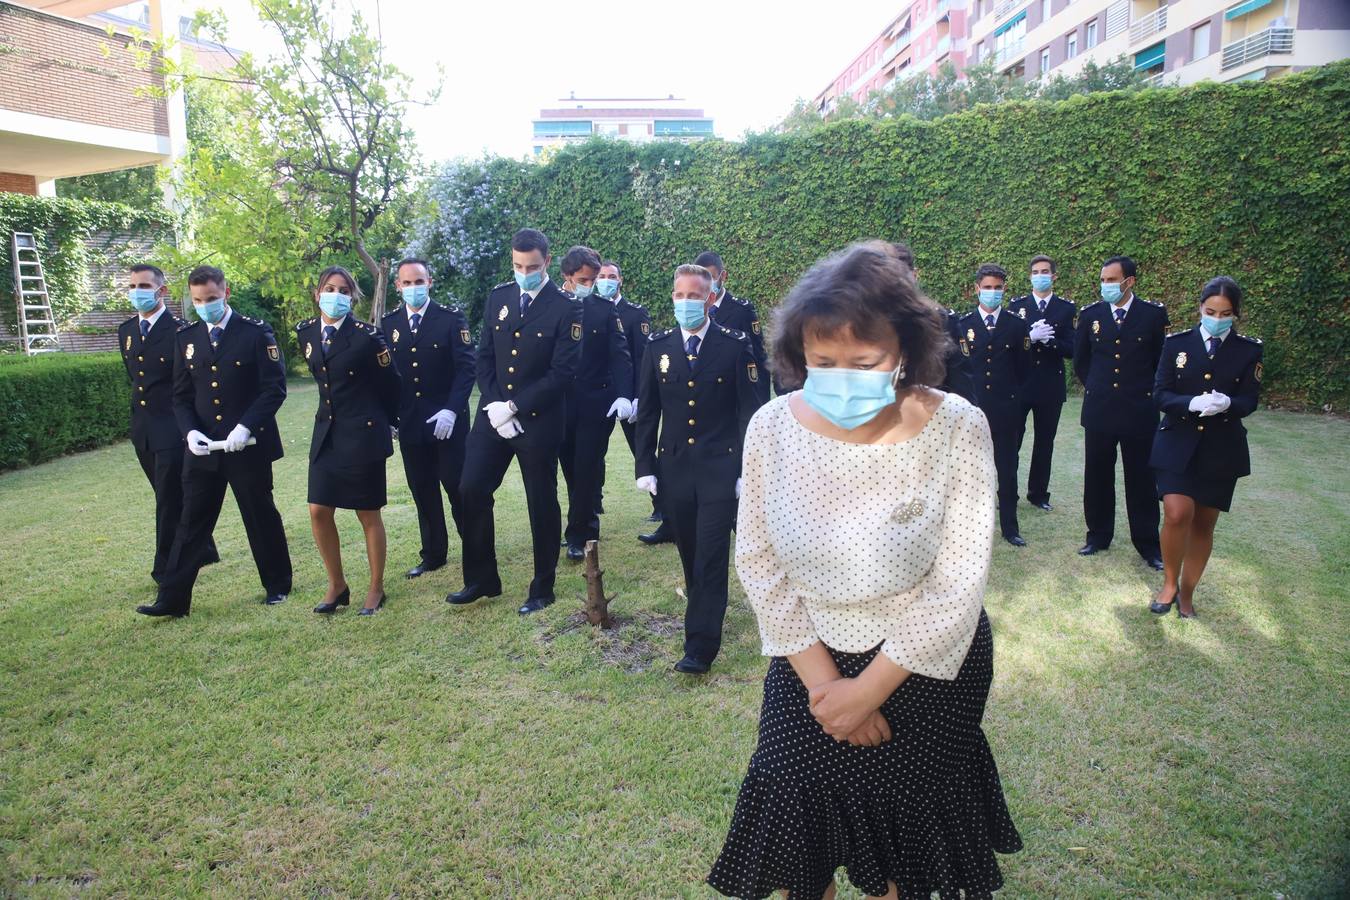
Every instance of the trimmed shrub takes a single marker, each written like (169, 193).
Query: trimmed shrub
(57, 403)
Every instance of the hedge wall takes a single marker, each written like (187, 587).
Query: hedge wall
(1250, 180)
(57, 403)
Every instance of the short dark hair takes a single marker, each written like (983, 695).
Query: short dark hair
(1126, 265)
(864, 288)
(709, 260)
(410, 261)
(610, 262)
(1040, 258)
(153, 270)
(353, 288)
(1225, 287)
(578, 258)
(902, 251)
(989, 269)
(527, 239)
(206, 275)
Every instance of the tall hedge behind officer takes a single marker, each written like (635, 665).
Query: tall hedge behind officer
(146, 342)
(1051, 319)
(1208, 381)
(434, 354)
(1116, 350)
(358, 410)
(735, 313)
(698, 388)
(1000, 351)
(958, 378)
(527, 356)
(603, 390)
(228, 383)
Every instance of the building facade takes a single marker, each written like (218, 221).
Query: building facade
(576, 119)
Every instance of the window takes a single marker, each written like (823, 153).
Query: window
(1092, 34)
(979, 52)
(1200, 41)
(1045, 10)
(1045, 60)
(1071, 46)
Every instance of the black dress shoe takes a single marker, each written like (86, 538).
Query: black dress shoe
(160, 609)
(331, 606)
(1044, 504)
(1015, 539)
(1154, 562)
(274, 599)
(691, 666)
(535, 604)
(655, 516)
(370, 610)
(1163, 609)
(661, 535)
(472, 594)
(421, 569)
(1189, 615)
(575, 553)
(1090, 548)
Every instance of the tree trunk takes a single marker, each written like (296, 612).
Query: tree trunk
(381, 289)
(597, 604)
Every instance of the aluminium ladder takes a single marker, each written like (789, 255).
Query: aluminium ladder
(37, 324)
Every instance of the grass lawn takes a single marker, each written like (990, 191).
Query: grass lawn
(251, 751)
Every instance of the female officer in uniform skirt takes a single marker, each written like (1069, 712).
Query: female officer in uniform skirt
(358, 407)
(1208, 380)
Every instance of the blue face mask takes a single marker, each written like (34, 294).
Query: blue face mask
(716, 288)
(212, 311)
(990, 298)
(335, 305)
(1110, 291)
(144, 299)
(416, 295)
(1215, 326)
(607, 287)
(849, 398)
(582, 291)
(690, 314)
(529, 282)
(1041, 283)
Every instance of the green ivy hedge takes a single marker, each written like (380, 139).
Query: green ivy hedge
(57, 403)
(1250, 180)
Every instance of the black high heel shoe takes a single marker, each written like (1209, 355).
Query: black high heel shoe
(1163, 609)
(331, 606)
(1180, 614)
(370, 610)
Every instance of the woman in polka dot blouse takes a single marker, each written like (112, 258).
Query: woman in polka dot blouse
(865, 529)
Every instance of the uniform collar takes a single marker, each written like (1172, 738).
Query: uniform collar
(336, 326)
(534, 294)
(1125, 306)
(152, 319)
(984, 313)
(700, 334)
(417, 312)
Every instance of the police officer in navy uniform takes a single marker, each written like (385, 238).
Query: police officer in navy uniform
(434, 354)
(1050, 319)
(602, 391)
(146, 342)
(698, 388)
(1000, 351)
(228, 383)
(1116, 350)
(527, 357)
(735, 313)
(1208, 381)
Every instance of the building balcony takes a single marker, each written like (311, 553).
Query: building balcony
(1009, 53)
(1005, 8)
(1144, 28)
(1268, 42)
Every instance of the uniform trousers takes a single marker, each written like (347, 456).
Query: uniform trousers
(1099, 489)
(431, 468)
(1045, 424)
(582, 458)
(1006, 436)
(702, 514)
(164, 470)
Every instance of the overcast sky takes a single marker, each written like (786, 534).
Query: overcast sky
(743, 62)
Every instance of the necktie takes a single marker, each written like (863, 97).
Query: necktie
(216, 332)
(415, 320)
(145, 328)
(1120, 317)
(328, 332)
(691, 348)
(1213, 347)
(1041, 304)
(988, 321)
(524, 303)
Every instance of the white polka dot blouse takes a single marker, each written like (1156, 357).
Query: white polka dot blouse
(863, 544)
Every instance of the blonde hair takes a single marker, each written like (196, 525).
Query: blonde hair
(691, 269)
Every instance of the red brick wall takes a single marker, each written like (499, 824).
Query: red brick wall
(18, 184)
(51, 66)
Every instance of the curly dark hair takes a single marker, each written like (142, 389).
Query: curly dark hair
(865, 289)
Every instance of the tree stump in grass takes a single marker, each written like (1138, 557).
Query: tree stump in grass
(597, 604)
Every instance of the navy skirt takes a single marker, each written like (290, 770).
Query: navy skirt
(360, 486)
(1216, 493)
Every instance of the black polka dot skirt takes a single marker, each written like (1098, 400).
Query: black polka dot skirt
(924, 810)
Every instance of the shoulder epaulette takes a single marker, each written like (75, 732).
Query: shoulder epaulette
(1248, 337)
(1180, 333)
(497, 287)
(398, 310)
(657, 335)
(1095, 303)
(301, 326)
(732, 333)
(186, 325)
(951, 312)
(741, 300)
(177, 321)
(1153, 303)
(1022, 299)
(634, 305)
(454, 308)
(365, 326)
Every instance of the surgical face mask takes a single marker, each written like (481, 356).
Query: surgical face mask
(582, 291)
(416, 295)
(716, 288)
(849, 398)
(1041, 283)
(529, 282)
(144, 299)
(607, 287)
(1110, 291)
(690, 314)
(1215, 326)
(212, 311)
(990, 298)
(335, 305)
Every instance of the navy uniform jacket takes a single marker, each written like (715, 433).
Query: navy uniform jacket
(435, 367)
(149, 365)
(358, 392)
(958, 380)
(530, 361)
(1045, 380)
(702, 414)
(241, 382)
(637, 327)
(1116, 366)
(1001, 360)
(1185, 371)
(606, 366)
(739, 315)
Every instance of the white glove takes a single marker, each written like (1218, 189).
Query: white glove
(196, 443)
(1218, 402)
(623, 407)
(499, 413)
(633, 417)
(738, 489)
(445, 423)
(1042, 331)
(510, 428)
(237, 439)
(647, 483)
(1199, 403)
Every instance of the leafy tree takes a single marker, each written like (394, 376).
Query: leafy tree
(137, 187)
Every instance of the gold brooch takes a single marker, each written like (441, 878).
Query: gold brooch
(970, 335)
(191, 349)
(394, 336)
(907, 512)
(309, 349)
(128, 342)
(501, 316)
(1096, 326)
(1022, 312)
(665, 363)
(1181, 360)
